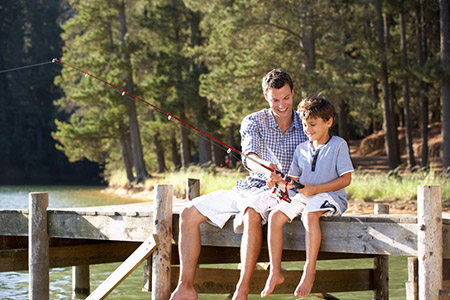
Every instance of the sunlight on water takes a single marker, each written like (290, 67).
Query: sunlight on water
(14, 285)
(16, 197)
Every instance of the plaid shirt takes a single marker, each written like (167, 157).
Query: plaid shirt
(260, 134)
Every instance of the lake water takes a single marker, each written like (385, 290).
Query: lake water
(14, 285)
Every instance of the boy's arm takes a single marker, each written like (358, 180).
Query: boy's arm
(334, 185)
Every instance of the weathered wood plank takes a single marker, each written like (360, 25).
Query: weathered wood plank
(38, 257)
(337, 236)
(66, 256)
(100, 227)
(368, 234)
(125, 269)
(429, 212)
(162, 226)
(223, 281)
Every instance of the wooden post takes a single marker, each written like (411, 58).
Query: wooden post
(162, 226)
(411, 285)
(381, 265)
(38, 264)
(80, 282)
(192, 188)
(430, 243)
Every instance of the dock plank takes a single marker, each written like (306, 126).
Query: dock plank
(359, 234)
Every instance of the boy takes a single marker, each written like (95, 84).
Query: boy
(324, 167)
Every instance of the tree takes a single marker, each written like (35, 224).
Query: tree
(445, 81)
(101, 118)
(409, 148)
(138, 159)
(387, 113)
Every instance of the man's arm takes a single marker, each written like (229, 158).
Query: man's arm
(254, 163)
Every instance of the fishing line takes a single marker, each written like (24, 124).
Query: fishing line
(26, 67)
(203, 134)
(287, 179)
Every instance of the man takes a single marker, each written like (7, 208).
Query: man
(269, 137)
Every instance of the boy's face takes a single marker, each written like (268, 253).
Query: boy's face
(316, 129)
(281, 101)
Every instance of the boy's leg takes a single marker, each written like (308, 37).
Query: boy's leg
(189, 249)
(313, 237)
(277, 219)
(250, 248)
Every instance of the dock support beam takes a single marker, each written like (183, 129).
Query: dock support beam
(80, 282)
(381, 265)
(430, 242)
(162, 226)
(192, 188)
(38, 264)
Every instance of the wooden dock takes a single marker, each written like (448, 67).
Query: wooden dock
(80, 237)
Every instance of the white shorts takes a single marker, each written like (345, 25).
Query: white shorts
(300, 203)
(219, 206)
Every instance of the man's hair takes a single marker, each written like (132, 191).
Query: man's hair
(316, 107)
(276, 79)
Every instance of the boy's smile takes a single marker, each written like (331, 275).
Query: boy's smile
(316, 129)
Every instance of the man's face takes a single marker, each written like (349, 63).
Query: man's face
(281, 101)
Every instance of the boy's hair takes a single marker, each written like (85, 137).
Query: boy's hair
(316, 107)
(276, 78)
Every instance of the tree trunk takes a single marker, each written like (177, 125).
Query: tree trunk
(422, 86)
(444, 14)
(218, 153)
(376, 97)
(161, 163)
(232, 143)
(201, 110)
(204, 146)
(307, 44)
(138, 158)
(387, 115)
(344, 131)
(387, 21)
(176, 160)
(409, 143)
(127, 156)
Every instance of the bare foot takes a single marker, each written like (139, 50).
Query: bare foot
(272, 281)
(184, 293)
(306, 283)
(240, 294)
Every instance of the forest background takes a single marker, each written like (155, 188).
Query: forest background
(384, 64)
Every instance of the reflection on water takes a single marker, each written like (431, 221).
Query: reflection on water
(16, 197)
(14, 285)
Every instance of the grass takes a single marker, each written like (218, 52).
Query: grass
(381, 186)
(365, 187)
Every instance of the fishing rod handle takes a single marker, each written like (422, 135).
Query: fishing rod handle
(290, 180)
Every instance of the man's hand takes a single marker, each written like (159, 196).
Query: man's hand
(275, 178)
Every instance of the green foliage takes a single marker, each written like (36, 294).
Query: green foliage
(371, 187)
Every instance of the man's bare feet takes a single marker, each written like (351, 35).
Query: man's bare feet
(306, 283)
(184, 293)
(273, 280)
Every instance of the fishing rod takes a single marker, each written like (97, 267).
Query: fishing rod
(287, 179)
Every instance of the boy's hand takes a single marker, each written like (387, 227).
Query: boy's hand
(308, 190)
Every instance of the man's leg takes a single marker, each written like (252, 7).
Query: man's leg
(189, 246)
(250, 248)
(313, 237)
(277, 219)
